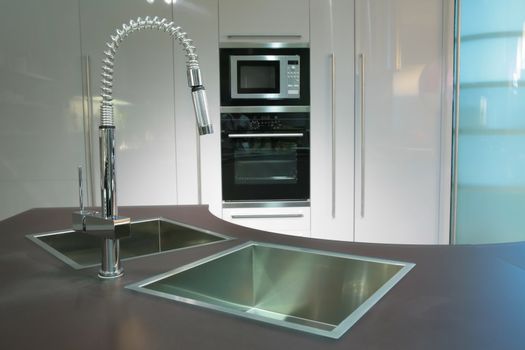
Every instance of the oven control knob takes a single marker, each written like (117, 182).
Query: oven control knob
(254, 125)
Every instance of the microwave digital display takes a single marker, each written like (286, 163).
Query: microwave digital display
(255, 77)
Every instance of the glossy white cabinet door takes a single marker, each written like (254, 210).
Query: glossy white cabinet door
(41, 132)
(264, 20)
(332, 119)
(399, 75)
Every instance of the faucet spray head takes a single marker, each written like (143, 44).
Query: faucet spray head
(200, 102)
(200, 105)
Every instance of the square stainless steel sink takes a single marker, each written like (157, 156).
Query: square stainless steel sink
(148, 237)
(318, 292)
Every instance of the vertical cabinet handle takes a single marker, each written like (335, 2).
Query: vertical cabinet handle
(332, 56)
(455, 122)
(361, 62)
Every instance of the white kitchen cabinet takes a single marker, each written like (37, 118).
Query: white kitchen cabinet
(287, 220)
(157, 142)
(377, 114)
(41, 132)
(332, 119)
(264, 20)
(399, 91)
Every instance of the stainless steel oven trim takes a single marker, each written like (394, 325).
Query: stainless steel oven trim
(266, 109)
(265, 204)
(283, 81)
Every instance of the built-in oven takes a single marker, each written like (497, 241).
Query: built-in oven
(265, 153)
(265, 76)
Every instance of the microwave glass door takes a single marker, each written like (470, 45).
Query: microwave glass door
(258, 77)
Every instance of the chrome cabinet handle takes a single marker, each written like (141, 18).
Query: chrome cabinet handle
(236, 136)
(264, 36)
(362, 128)
(455, 122)
(266, 216)
(332, 56)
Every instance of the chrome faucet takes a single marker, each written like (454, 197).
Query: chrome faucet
(107, 224)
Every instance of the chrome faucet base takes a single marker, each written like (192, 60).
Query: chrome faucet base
(111, 267)
(111, 275)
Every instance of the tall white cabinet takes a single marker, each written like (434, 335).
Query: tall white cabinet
(400, 76)
(257, 22)
(41, 130)
(332, 119)
(379, 113)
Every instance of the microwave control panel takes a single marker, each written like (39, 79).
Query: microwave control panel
(293, 76)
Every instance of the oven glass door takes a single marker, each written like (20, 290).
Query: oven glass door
(265, 161)
(266, 164)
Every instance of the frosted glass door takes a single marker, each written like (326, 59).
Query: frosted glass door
(491, 146)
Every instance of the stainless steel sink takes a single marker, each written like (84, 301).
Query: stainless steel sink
(148, 237)
(319, 292)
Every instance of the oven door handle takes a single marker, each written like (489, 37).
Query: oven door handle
(238, 136)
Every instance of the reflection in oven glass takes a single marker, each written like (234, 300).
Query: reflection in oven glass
(265, 162)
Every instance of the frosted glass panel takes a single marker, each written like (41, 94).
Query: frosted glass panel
(491, 146)
(492, 108)
(491, 16)
(492, 160)
(492, 59)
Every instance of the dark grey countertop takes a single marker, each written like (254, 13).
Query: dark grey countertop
(457, 297)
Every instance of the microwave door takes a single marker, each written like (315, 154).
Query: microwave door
(255, 77)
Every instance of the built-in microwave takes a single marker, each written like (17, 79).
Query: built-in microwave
(264, 76)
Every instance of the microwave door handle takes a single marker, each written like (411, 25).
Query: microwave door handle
(237, 136)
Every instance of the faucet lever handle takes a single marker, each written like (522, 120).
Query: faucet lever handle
(80, 189)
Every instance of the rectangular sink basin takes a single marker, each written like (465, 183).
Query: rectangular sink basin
(318, 292)
(148, 237)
